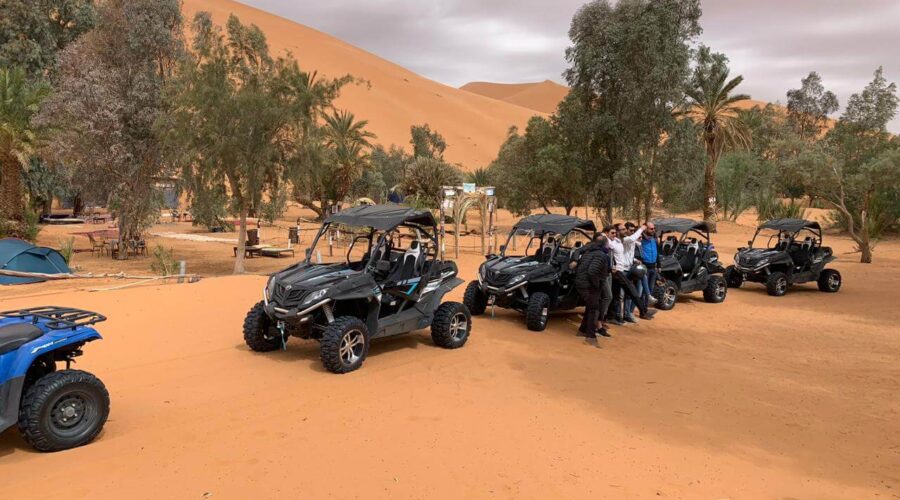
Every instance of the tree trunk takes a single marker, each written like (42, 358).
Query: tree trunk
(710, 208)
(47, 206)
(12, 203)
(77, 205)
(242, 243)
(123, 237)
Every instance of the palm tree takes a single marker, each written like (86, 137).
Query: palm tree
(347, 141)
(711, 104)
(19, 101)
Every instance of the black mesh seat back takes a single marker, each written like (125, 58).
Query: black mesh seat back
(668, 246)
(689, 258)
(409, 264)
(13, 336)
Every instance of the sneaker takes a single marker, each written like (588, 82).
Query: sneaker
(603, 332)
(631, 319)
(592, 341)
(649, 314)
(615, 321)
(581, 333)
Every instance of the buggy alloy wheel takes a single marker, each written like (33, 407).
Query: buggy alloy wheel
(352, 346)
(459, 326)
(344, 345)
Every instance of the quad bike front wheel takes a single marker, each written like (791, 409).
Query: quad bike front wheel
(259, 332)
(777, 284)
(345, 345)
(63, 410)
(829, 281)
(475, 299)
(733, 277)
(538, 312)
(451, 325)
(666, 293)
(716, 289)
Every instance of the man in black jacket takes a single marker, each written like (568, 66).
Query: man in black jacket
(590, 276)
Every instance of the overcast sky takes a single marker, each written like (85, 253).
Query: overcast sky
(772, 43)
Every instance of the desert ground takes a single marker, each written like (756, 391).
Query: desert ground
(759, 397)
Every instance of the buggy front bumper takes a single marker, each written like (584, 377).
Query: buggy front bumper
(294, 314)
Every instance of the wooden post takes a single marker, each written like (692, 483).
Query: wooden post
(182, 269)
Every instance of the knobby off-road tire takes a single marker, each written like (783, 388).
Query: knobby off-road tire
(538, 312)
(345, 345)
(777, 284)
(63, 410)
(829, 281)
(733, 278)
(666, 293)
(451, 325)
(475, 299)
(716, 289)
(259, 332)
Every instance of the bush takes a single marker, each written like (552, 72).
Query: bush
(67, 249)
(272, 210)
(163, 261)
(769, 206)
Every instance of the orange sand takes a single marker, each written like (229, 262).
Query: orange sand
(541, 96)
(760, 397)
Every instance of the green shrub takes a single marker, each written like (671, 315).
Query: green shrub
(163, 261)
(67, 249)
(769, 206)
(272, 210)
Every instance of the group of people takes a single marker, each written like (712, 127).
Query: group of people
(615, 275)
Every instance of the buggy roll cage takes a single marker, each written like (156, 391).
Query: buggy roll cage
(532, 234)
(815, 230)
(430, 232)
(56, 318)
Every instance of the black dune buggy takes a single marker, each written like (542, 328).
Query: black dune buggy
(540, 279)
(391, 282)
(688, 262)
(793, 254)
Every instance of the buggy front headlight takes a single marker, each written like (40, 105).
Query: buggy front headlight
(269, 289)
(516, 279)
(314, 296)
(762, 263)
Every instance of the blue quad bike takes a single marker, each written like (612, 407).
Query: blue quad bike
(56, 409)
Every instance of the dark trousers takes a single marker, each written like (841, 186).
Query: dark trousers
(591, 299)
(626, 285)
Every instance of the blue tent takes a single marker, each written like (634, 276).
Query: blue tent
(19, 255)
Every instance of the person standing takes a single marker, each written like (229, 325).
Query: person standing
(650, 258)
(589, 279)
(623, 257)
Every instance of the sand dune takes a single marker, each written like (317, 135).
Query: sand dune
(540, 96)
(473, 125)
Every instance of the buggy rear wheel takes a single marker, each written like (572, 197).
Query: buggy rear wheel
(829, 281)
(666, 293)
(63, 410)
(451, 325)
(345, 344)
(716, 289)
(538, 312)
(777, 284)
(733, 277)
(475, 299)
(259, 332)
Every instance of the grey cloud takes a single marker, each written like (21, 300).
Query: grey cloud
(773, 43)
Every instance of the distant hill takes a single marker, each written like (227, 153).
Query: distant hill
(396, 98)
(541, 96)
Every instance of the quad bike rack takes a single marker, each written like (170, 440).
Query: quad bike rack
(56, 318)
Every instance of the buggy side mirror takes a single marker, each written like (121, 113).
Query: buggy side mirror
(749, 243)
(383, 266)
(502, 248)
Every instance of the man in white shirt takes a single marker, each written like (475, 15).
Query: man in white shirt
(623, 256)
